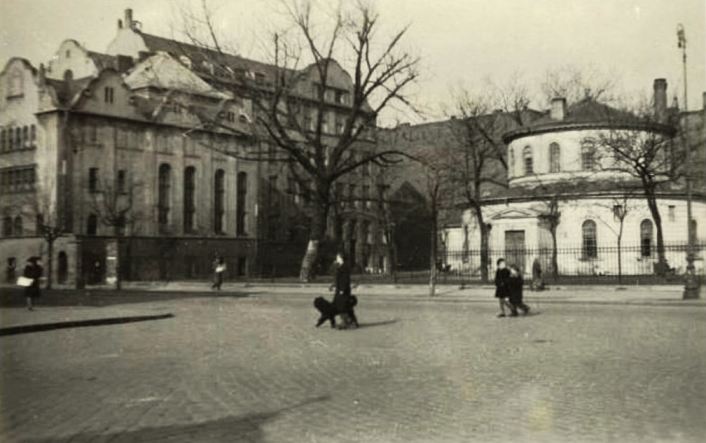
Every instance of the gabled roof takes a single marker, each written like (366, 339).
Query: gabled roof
(67, 91)
(103, 61)
(163, 72)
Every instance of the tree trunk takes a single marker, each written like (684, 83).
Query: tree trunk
(555, 260)
(118, 280)
(620, 254)
(433, 256)
(50, 262)
(654, 210)
(484, 252)
(316, 234)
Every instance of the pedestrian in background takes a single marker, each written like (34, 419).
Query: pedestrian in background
(515, 284)
(33, 271)
(502, 289)
(219, 267)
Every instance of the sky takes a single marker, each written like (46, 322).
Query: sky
(460, 42)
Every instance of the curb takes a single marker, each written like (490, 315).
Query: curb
(25, 329)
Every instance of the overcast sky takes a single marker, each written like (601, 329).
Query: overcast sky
(460, 41)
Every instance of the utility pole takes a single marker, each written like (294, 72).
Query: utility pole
(691, 283)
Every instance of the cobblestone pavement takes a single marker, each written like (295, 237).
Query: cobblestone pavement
(255, 369)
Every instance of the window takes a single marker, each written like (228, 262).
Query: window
(646, 238)
(7, 227)
(17, 227)
(259, 78)
(366, 195)
(241, 201)
(351, 194)
(92, 225)
(39, 224)
(342, 97)
(25, 137)
(93, 180)
(33, 136)
(108, 94)
(120, 181)
(218, 201)
(671, 212)
(17, 179)
(554, 157)
(163, 193)
(589, 249)
(18, 138)
(3, 139)
(189, 193)
(588, 162)
(527, 160)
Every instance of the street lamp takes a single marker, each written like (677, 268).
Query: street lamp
(691, 283)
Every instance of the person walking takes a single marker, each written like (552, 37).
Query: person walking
(515, 285)
(219, 267)
(502, 289)
(33, 270)
(343, 300)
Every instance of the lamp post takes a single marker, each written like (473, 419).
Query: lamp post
(691, 283)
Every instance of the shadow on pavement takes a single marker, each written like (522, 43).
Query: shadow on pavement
(26, 329)
(14, 297)
(378, 323)
(229, 429)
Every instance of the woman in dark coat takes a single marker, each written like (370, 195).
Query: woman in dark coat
(515, 285)
(342, 300)
(34, 271)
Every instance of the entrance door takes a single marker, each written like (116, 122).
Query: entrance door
(63, 271)
(515, 249)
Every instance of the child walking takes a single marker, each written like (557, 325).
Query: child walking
(502, 289)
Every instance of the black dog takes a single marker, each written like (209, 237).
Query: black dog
(329, 312)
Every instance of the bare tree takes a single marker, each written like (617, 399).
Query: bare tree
(575, 84)
(642, 148)
(479, 162)
(620, 207)
(294, 107)
(113, 202)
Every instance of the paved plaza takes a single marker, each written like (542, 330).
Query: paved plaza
(250, 366)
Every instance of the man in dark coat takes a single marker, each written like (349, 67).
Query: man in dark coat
(502, 288)
(515, 285)
(34, 271)
(343, 300)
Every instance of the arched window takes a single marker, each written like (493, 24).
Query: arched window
(527, 160)
(590, 242)
(17, 228)
(7, 227)
(218, 201)
(588, 157)
(92, 225)
(646, 238)
(163, 193)
(241, 201)
(554, 157)
(189, 194)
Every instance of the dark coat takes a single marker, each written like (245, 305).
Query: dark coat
(502, 277)
(515, 285)
(343, 287)
(33, 271)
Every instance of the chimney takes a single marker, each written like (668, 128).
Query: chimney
(558, 110)
(128, 18)
(660, 98)
(120, 24)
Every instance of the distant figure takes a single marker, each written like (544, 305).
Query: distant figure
(502, 289)
(343, 301)
(219, 267)
(515, 284)
(537, 280)
(10, 271)
(33, 271)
